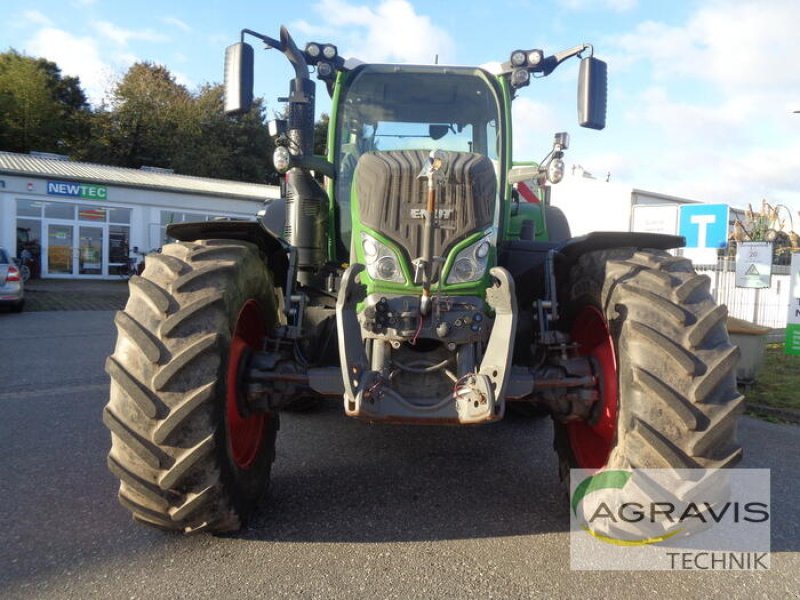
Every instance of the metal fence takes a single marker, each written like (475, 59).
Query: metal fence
(765, 306)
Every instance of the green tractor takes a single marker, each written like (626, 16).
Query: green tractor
(416, 285)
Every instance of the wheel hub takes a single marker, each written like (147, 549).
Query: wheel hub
(591, 441)
(245, 433)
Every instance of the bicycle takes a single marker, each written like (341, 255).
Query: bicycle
(24, 269)
(128, 269)
(134, 266)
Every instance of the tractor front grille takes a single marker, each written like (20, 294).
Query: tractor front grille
(391, 198)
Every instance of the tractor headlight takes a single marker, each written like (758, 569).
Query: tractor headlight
(470, 263)
(281, 159)
(555, 170)
(381, 261)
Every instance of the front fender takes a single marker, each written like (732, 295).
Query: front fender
(573, 248)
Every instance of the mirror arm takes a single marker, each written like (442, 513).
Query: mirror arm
(270, 42)
(551, 62)
(292, 52)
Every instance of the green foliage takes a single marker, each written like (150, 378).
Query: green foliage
(321, 134)
(228, 147)
(40, 109)
(767, 225)
(778, 381)
(149, 119)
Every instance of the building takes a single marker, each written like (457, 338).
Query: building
(591, 204)
(81, 220)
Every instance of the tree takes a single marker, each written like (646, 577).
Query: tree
(228, 147)
(40, 109)
(149, 120)
(321, 134)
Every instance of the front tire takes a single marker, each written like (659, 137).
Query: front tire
(666, 367)
(186, 458)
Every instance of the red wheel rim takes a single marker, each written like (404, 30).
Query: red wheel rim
(245, 434)
(591, 443)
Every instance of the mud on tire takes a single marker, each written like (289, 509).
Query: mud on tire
(185, 458)
(676, 396)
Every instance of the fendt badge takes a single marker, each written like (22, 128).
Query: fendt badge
(441, 213)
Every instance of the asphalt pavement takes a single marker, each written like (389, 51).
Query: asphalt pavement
(73, 294)
(355, 510)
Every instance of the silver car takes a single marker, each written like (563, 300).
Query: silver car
(11, 291)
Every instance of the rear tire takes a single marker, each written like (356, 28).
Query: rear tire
(186, 458)
(666, 366)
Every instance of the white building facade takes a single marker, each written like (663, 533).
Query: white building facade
(84, 221)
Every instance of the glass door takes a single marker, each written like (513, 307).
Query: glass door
(74, 249)
(60, 257)
(90, 250)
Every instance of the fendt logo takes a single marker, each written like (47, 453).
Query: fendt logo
(617, 508)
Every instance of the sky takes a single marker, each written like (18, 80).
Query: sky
(702, 93)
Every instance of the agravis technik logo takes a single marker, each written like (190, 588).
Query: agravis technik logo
(644, 518)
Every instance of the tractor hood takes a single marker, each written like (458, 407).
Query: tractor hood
(391, 197)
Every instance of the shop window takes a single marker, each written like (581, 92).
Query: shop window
(92, 213)
(59, 211)
(29, 208)
(119, 215)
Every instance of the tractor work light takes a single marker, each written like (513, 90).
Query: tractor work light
(329, 51)
(276, 128)
(535, 58)
(324, 69)
(520, 78)
(518, 58)
(313, 50)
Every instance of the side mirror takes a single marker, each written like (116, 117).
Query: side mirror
(592, 93)
(238, 78)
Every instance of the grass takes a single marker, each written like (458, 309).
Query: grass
(778, 383)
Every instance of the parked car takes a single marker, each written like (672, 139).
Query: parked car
(11, 289)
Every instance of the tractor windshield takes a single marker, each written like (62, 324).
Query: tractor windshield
(412, 108)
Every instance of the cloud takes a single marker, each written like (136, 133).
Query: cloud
(732, 43)
(176, 22)
(712, 115)
(35, 17)
(76, 56)
(617, 6)
(392, 31)
(534, 124)
(123, 37)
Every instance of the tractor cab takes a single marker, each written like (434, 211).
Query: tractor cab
(384, 108)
